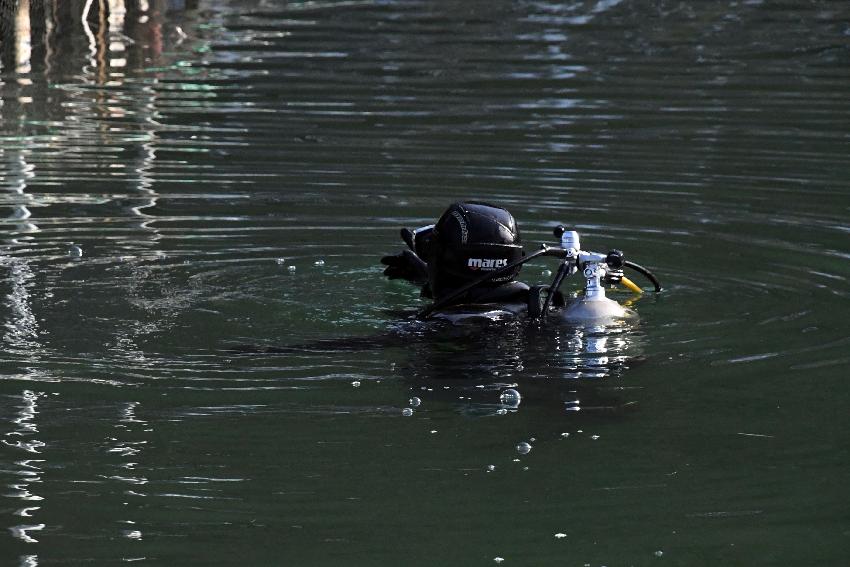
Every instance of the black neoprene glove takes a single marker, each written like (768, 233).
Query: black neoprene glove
(407, 266)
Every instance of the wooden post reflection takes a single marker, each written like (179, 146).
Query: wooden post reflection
(117, 49)
(93, 44)
(23, 39)
(35, 34)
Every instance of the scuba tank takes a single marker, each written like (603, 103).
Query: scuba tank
(593, 304)
(597, 269)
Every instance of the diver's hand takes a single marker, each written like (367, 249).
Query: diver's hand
(407, 266)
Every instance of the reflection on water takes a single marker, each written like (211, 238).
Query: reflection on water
(30, 468)
(73, 95)
(76, 105)
(80, 132)
(471, 364)
(548, 364)
(180, 177)
(128, 443)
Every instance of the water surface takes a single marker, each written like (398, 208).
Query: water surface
(172, 173)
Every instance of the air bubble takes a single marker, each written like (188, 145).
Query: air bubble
(407, 412)
(319, 263)
(75, 251)
(560, 535)
(414, 402)
(356, 383)
(291, 268)
(523, 448)
(510, 398)
(280, 261)
(491, 468)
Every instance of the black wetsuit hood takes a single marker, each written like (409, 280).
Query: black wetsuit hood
(468, 240)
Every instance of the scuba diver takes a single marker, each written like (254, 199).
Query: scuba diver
(468, 263)
(473, 254)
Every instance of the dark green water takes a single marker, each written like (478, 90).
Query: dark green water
(185, 147)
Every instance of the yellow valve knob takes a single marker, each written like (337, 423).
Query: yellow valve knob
(630, 284)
